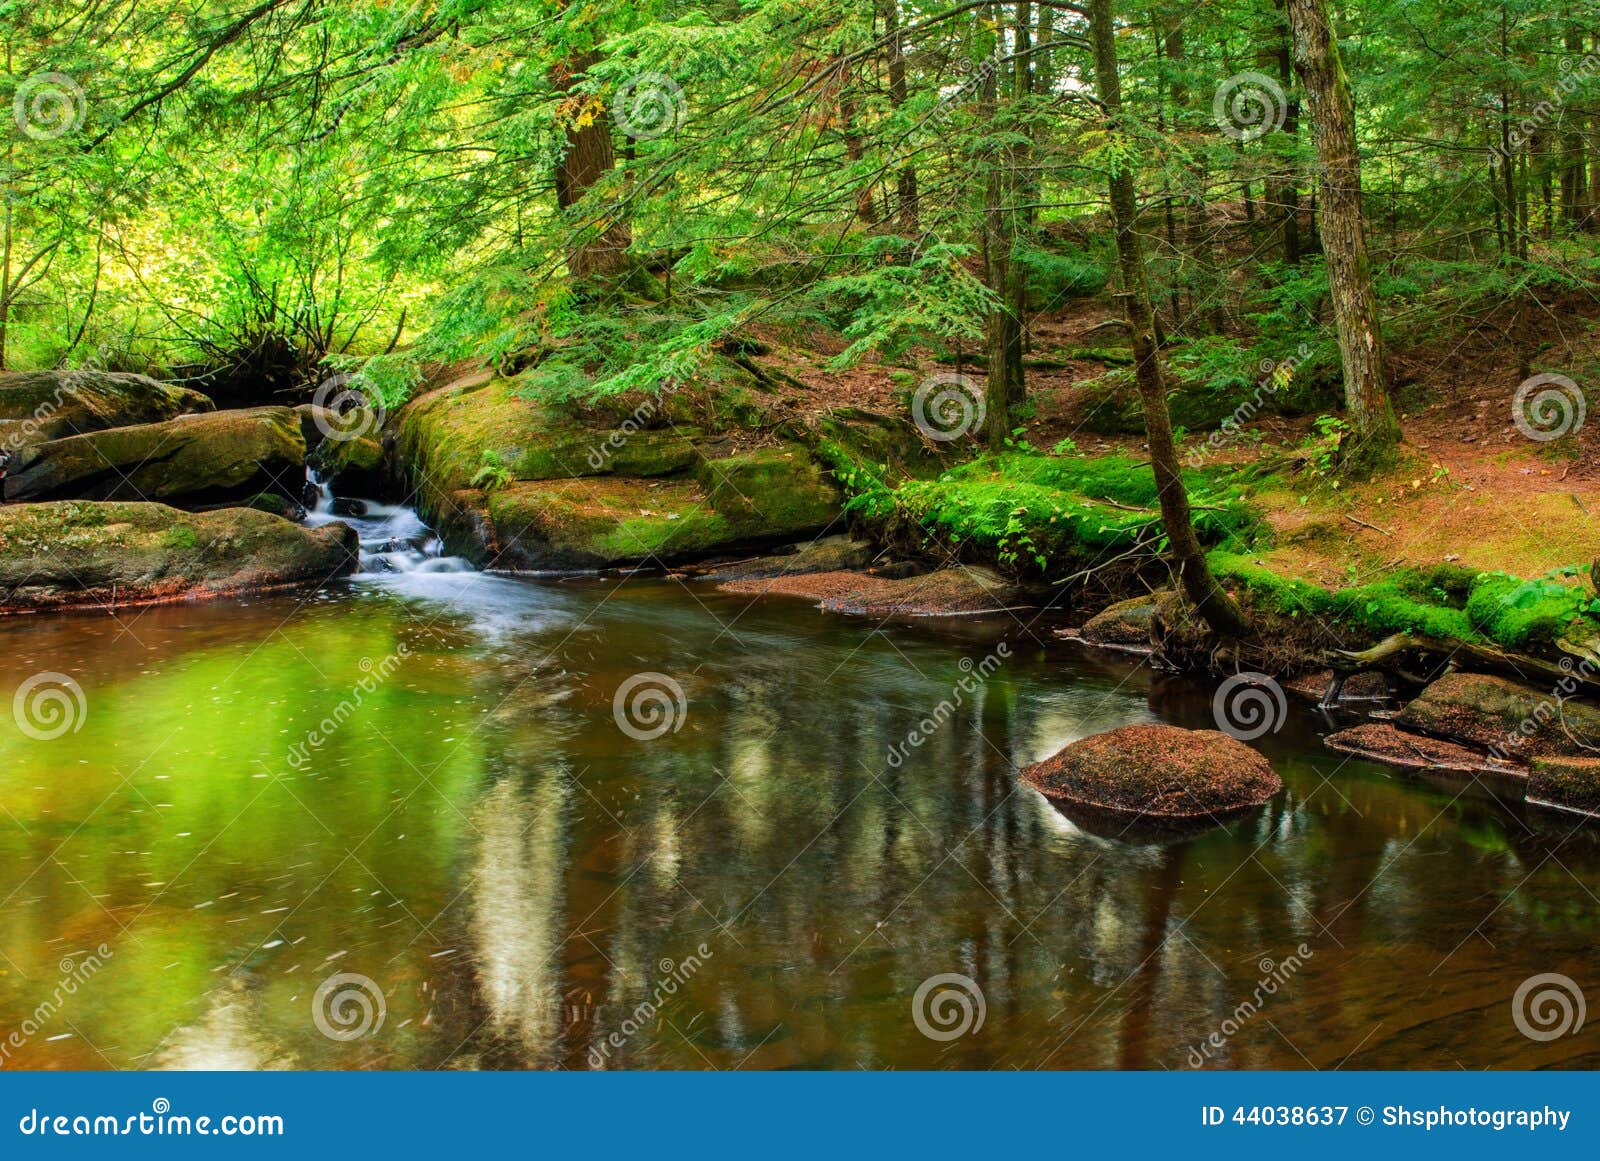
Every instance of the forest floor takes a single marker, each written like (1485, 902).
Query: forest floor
(1468, 488)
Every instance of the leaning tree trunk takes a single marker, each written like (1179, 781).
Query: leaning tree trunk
(598, 251)
(1355, 305)
(1194, 574)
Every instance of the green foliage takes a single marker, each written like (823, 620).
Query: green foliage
(493, 472)
(904, 296)
(1540, 611)
(1446, 602)
(1053, 278)
(1320, 449)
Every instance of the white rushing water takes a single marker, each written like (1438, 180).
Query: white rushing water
(402, 555)
(393, 538)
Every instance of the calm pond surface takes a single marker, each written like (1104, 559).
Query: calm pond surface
(514, 875)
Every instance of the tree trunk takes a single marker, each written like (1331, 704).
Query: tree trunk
(1355, 305)
(597, 252)
(1194, 574)
(1283, 187)
(866, 208)
(906, 181)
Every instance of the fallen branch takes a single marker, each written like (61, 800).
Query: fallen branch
(1364, 524)
(1391, 652)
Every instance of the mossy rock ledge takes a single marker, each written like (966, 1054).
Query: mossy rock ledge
(36, 406)
(1155, 776)
(512, 483)
(78, 553)
(191, 461)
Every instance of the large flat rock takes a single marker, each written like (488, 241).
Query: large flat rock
(948, 592)
(68, 553)
(1503, 717)
(192, 461)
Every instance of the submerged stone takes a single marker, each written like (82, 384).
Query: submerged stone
(1571, 784)
(959, 591)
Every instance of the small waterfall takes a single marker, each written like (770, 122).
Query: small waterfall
(393, 538)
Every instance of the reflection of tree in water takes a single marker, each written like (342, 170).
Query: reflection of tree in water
(515, 905)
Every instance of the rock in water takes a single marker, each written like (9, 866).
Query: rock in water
(958, 591)
(37, 406)
(225, 456)
(1505, 718)
(1566, 783)
(1126, 624)
(68, 553)
(1156, 775)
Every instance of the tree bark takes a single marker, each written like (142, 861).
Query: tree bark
(1355, 304)
(1003, 335)
(595, 254)
(1194, 574)
(1283, 187)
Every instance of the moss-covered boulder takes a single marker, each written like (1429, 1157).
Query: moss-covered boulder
(774, 492)
(71, 553)
(191, 461)
(513, 482)
(1503, 717)
(481, 430)
(852, 440)
(1126, 625)
(600, 522)
(1156, 775)
(350, 467)
(591, 524)
(1566, 783)
(36, 406)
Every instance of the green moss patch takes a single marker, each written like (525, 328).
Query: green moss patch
(1051, 515)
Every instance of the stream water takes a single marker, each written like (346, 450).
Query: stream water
(411, 796)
